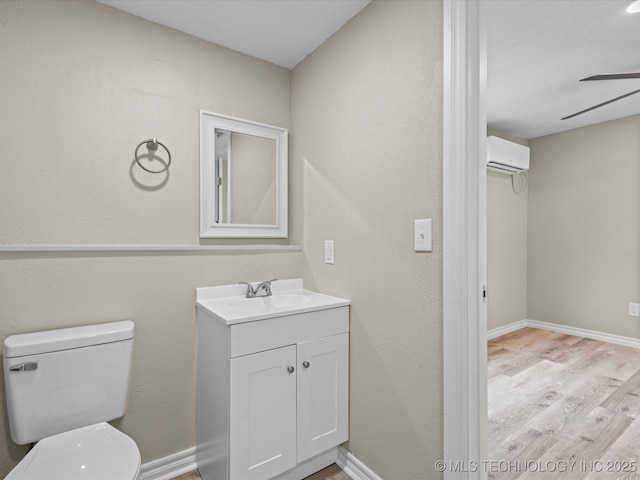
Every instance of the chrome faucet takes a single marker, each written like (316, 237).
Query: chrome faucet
(261, 287)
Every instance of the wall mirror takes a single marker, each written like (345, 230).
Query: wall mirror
(243, 178)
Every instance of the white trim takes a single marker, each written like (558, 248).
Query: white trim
(464, 259)
(354, 467)
(577, 331)
(149, 248)
(503, 330)
(170, 466)
(183, 462)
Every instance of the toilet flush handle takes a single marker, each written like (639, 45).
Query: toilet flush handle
(24, 367)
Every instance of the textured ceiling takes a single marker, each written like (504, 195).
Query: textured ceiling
(283, 32)
(538, 51)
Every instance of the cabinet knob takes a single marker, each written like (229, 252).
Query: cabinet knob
(305, 364)
(290, 369)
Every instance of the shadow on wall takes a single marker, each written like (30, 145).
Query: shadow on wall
(399, 429)
(146, 180)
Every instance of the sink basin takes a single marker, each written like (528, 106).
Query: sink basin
(229, 305)
(278, 300)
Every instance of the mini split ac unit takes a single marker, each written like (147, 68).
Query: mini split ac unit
(506, 157)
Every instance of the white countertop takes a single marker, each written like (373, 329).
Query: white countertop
(229, 305)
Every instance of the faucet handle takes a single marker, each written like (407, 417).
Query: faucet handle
(250, 291)
(266, 286)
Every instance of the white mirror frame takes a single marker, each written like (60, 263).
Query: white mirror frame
(210, 121)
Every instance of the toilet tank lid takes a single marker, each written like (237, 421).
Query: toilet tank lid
(66, 338)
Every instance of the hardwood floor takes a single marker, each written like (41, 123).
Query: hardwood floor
(194, 475)
(332, 472)
(562, 407)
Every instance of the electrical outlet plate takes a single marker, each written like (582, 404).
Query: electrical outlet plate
(634, 309)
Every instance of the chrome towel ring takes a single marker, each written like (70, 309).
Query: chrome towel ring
(152, 146)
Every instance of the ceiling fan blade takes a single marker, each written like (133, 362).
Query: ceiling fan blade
(602, 104)
(612, 76)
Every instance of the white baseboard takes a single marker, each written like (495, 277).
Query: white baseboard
(170, 466)
(511, 327)
(353, 467)
(554, 327)
(182, 462)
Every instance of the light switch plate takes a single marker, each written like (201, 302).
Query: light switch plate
(423, 241)
(329, 247)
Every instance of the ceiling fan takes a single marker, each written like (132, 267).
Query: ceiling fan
(607, 76)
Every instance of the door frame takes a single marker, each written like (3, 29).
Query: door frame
(464, 241)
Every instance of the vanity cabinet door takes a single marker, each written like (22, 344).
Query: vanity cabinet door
(262, 429)
(323, 394)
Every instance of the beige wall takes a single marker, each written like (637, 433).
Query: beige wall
(81, 85)
(367, 147)
(506, 252)
(584, 227)
(506, 247)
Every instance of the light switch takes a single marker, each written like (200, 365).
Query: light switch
(422, 236)
(329, 252)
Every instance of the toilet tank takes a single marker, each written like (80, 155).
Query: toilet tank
(59, 380)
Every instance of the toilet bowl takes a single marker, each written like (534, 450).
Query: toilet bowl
(96, 452)
(62, 386)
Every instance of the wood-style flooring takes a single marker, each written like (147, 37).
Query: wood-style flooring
(332, 472)
(562, 407)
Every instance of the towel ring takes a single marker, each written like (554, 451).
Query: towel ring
(152, 145)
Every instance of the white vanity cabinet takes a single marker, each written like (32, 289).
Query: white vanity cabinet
(271, 394)
(283, 413)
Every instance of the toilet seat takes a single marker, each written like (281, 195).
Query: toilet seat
(96, 452)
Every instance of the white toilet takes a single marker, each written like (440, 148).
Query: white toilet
(62, 386)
